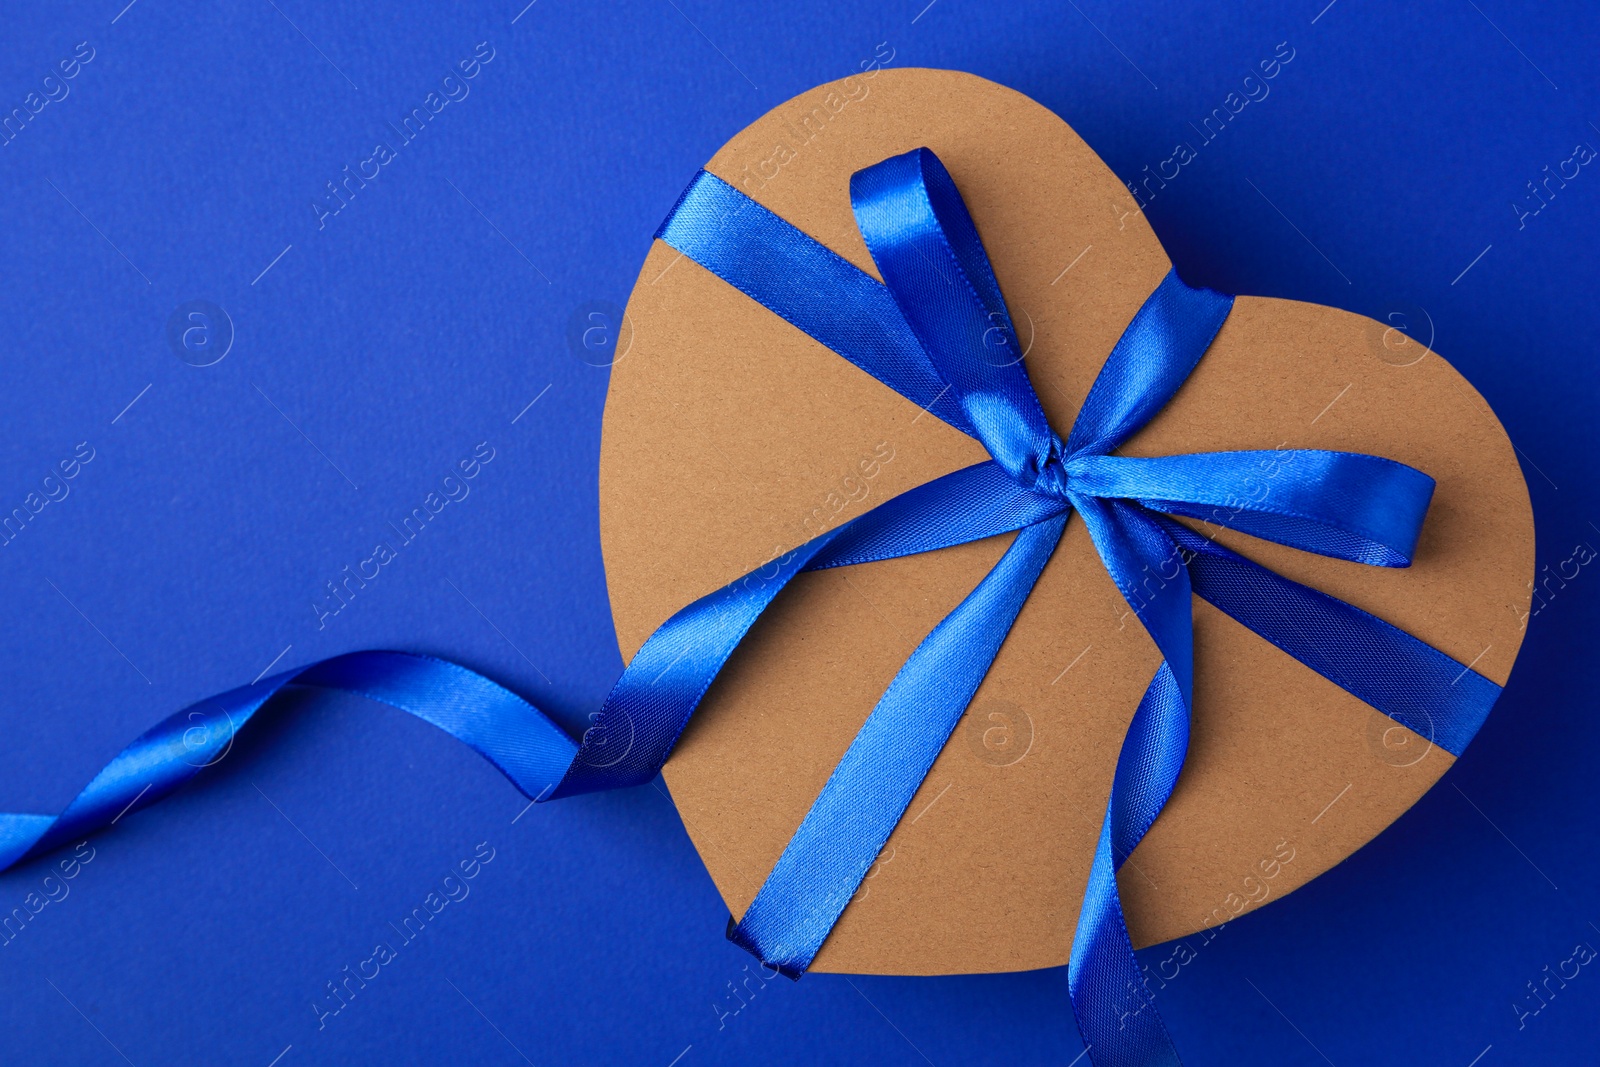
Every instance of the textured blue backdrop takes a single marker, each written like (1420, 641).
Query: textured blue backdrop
(373, 347)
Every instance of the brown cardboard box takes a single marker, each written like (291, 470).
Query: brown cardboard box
(730, 437)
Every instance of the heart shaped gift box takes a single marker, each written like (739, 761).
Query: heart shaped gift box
(730, 437)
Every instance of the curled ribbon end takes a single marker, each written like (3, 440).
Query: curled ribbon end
(19, 833)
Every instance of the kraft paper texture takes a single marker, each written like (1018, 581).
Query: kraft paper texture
(730, 436)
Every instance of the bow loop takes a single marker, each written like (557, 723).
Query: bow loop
(1361, 508)
(1163, 343)
(926, 246)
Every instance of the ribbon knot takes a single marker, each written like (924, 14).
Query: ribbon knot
(1051, 477)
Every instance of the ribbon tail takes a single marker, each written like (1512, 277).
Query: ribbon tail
(868, 792)
(642, 717)
(1430, 693)
(1110, 1000)
(19, 833)
(629, 739)
(510, 733)
(1113, 1006)
(155, 764)
(650, 705)
(523, 743)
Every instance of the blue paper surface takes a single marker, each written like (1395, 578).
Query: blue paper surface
(345, 360)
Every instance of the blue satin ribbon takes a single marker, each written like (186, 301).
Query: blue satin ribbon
(937, 331)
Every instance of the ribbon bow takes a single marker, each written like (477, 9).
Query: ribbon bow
(937, 331)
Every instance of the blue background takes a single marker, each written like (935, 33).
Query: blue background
(424, 317)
